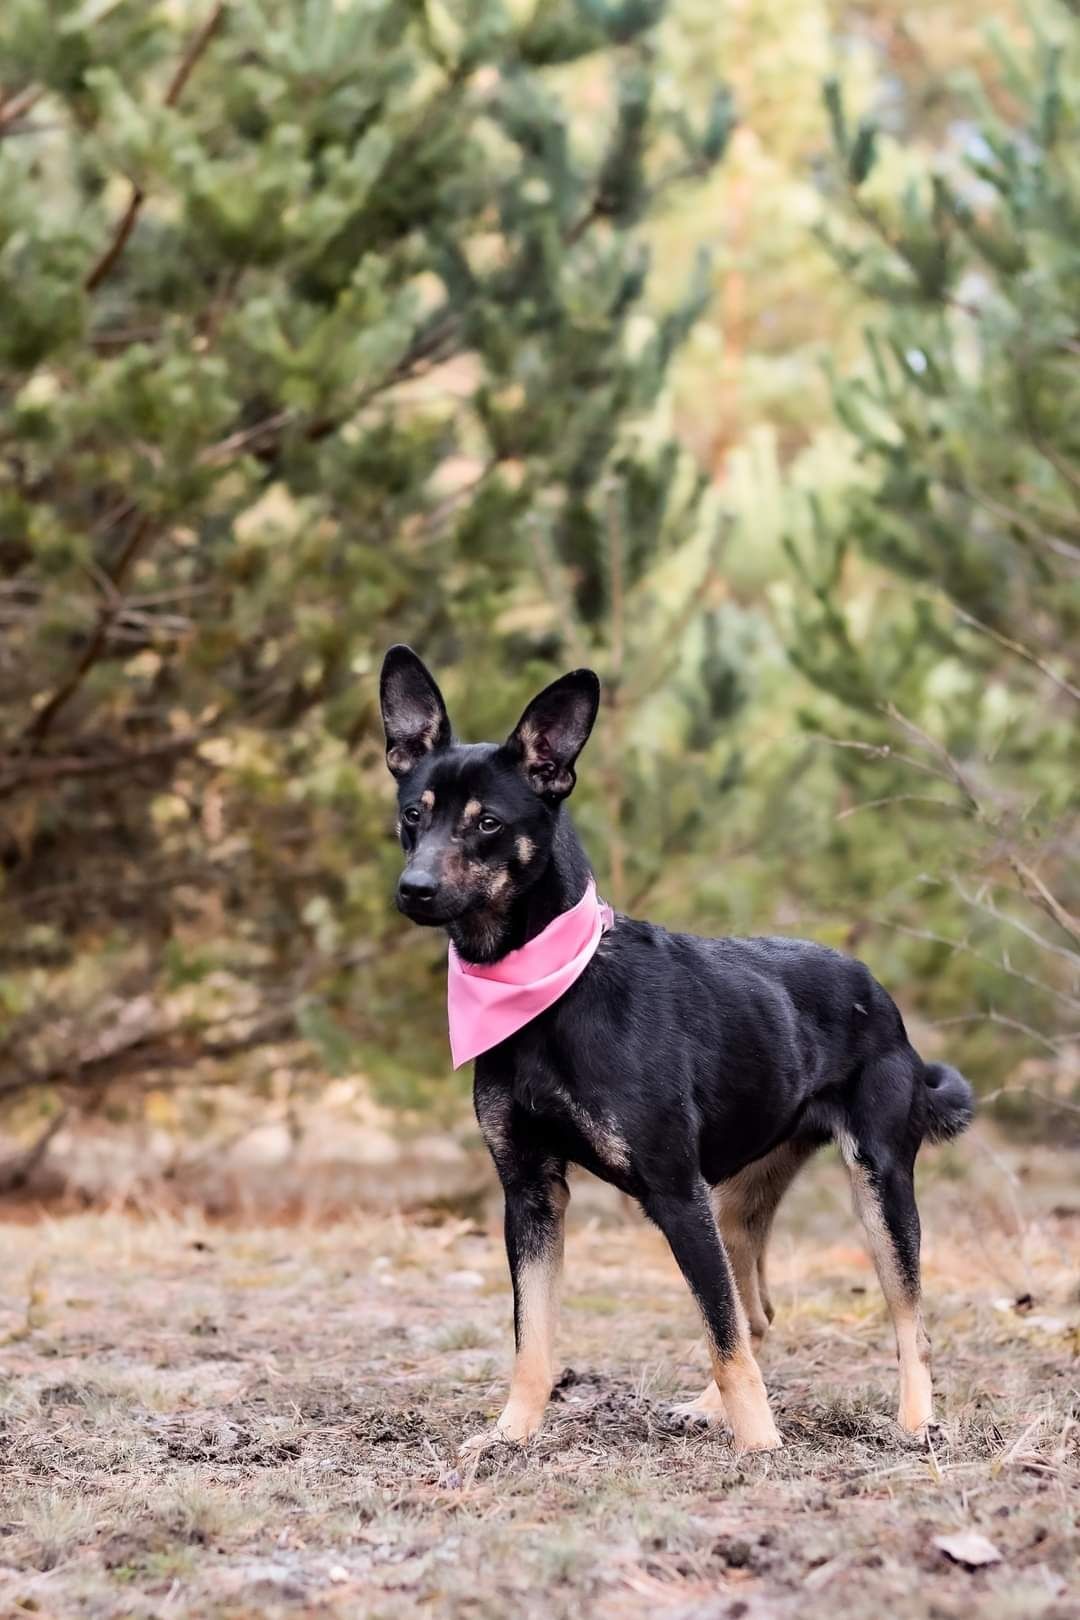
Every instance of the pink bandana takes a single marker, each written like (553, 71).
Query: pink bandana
(488, 1002)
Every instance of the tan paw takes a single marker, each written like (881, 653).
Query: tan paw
(515, 1427)
(759, 1442)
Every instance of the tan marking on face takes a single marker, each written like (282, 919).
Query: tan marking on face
(525, 848)
(461, 870)
(427, 799)
(471, 810)
(500, 882)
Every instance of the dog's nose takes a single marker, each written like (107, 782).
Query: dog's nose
(414, 885)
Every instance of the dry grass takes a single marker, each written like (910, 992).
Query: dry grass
(211, 1422)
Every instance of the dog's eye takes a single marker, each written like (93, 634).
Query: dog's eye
(410, 816)
(489, 824)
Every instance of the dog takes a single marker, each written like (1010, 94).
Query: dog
(696, 1075)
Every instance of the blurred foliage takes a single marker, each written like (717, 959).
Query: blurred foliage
(329, 324)
(323, 326)
(939, 599)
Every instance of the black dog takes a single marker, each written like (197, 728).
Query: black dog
(697, 1075)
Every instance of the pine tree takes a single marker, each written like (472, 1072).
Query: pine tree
(942, 605)
(321, 325)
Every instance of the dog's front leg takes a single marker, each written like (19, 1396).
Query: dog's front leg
(688, 1224)
(536, 1199)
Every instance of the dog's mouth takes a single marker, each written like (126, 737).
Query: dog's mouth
(435, 913)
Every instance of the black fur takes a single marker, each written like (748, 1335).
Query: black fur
(674, 1061)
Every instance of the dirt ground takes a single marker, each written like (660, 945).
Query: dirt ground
(218, 1422)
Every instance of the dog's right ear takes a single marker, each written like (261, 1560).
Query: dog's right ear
(413, 712)
(552, 732)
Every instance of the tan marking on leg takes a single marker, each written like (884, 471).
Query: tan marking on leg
(427, 799)
(742, 1252)
(912, 1345)
(742, 1394)
(763, 1284)
(534, 1365)
(526, 849)
(537, 1294)
(744, 1206)
(916, 1382)
(741, 1387)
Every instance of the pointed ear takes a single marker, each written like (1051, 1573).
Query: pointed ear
(413, 713)
(552, 732)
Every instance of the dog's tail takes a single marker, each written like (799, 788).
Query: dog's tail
(950, 1102)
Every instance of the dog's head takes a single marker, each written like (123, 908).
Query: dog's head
(477, 820)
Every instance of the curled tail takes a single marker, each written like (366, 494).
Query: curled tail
(950, 1102)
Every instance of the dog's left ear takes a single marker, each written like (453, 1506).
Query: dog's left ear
(413, 712)
(552, 732)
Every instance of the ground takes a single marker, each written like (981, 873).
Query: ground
(213, 1421)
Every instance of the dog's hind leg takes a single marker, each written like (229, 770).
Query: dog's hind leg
(746, 1206)
(881, 1164)
(690, 1227)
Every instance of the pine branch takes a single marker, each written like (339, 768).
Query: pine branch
(109, 258)
(29, 773)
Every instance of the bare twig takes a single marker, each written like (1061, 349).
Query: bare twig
(1052, 1044)
(1032, 934)
(1043, 897)
(953, 769)
(1029, 1091)
(1020, 650)
(969, 950)
(108, 259)
(17, 106)
(156, 1050)
(896, 798)
(28, 772)
(883, 751)
(39, 726)
(17, 1173)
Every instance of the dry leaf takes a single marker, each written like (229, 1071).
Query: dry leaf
(968, 1547)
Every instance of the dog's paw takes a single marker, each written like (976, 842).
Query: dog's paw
(514, 1428)
(477, 1444)
(765, 1441)
(703, 1411)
